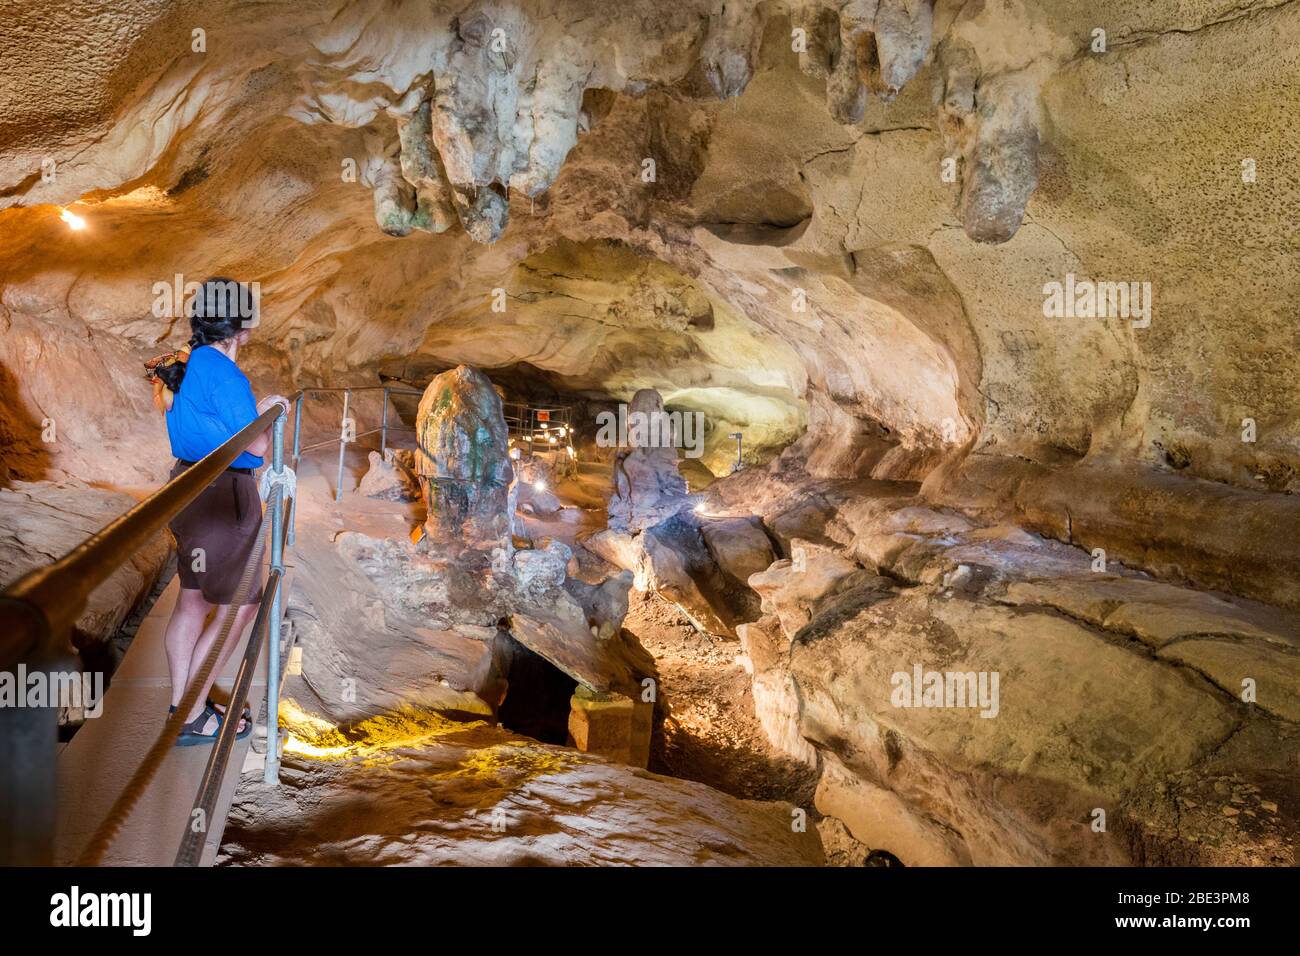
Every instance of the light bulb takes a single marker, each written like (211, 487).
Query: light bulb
(75, 222)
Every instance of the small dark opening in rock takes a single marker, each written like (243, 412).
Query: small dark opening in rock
(881, 858)
(537, 693)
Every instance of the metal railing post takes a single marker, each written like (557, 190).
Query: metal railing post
(214, 774)
(297, 456)
(343, 443)
(297, 429)
(271, 772)
(383, 428)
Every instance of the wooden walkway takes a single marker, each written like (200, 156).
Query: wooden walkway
(96, 764)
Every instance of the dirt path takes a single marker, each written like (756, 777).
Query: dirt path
(709, 732)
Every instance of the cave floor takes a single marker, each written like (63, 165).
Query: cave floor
(390, 779)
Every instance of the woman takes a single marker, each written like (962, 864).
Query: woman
(207, 399)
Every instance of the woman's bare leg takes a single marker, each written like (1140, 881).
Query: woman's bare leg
(243, 618)
(183, 630)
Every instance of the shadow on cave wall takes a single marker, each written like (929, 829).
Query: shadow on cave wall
(23, 455)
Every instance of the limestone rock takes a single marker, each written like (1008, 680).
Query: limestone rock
(605, 604)
(647, 485)
(739, 546)
(535, 481)
(463, 462)
(673, 559)
(799, 588)
(1067, 741)
(45, 520)
(388, 479)
(481, 795)
(538, 570)
(987, 600)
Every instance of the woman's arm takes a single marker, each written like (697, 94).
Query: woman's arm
(259, 445)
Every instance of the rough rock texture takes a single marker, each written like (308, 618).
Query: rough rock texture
(647, 485)
(463, 463)
(535, 479)
(42, 521)
(447, 794)
(389, 479)
(1117, 693)
(465, 571)
(376, 772)
(780, 268)
(696, 569)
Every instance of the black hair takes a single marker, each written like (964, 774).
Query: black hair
(219, 310)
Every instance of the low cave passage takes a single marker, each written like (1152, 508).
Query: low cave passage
(537, 692)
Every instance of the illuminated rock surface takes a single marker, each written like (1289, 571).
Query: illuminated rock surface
(484, 796)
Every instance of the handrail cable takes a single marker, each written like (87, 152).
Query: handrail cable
(153, 759)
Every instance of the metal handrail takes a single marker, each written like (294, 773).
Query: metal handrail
(54, 596)
(343, 440)
(37, 615)
(214, 774)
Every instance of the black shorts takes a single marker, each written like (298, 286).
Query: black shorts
(215, 535)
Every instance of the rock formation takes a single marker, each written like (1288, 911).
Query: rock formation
(647, 485)
(388, 477)
(464, 577)
(1116, 692)
(653, 532)
(535, 481)
(463, 463)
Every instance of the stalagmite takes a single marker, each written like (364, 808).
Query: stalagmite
(463, 463)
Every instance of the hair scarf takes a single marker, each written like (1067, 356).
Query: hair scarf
(162, 395)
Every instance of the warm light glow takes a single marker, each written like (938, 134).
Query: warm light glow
(75, 222)
(514, 454)
(539, 485)
(374, 740)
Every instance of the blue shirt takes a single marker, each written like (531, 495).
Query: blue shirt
(215, 402)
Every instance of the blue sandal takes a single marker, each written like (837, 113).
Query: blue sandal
(246, 716)
(192, 733)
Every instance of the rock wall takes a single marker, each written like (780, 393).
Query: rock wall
(840, 218)
(977, 694)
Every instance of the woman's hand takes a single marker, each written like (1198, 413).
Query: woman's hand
(259, 445)
(270, 400)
